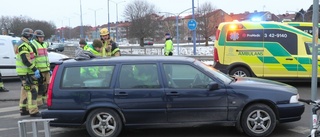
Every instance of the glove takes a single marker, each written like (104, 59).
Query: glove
(37, 74)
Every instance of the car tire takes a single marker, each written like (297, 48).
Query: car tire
(240, 72)
(258, 120)
(103, 123)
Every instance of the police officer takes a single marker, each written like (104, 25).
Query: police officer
(110, 48)
(168, 48)
(28, 73)
(43, 64)
(2, 89)
(83, 44)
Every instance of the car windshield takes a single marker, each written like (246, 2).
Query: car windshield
(219, 75)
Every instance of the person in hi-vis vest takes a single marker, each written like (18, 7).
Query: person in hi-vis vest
(168, 47)
(43, 64)
(109, 48)
(28, 74)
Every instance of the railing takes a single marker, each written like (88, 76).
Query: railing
(204, 53)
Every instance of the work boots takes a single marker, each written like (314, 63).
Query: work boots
(24, 112)
(35, 115)
(2, 89)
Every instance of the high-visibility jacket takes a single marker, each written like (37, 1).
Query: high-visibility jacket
(21, 69)
(86, 47)
(42, 59)
(104, 53)
(93, 51)
(114, 48)
(168, 47)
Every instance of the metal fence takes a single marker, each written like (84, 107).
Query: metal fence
(204, 53)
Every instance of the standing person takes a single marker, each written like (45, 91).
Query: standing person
(168, 47)
(109, 48)
(28, 74)
(83, 44)
(2, 89)
(43, 64)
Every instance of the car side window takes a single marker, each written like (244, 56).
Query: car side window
(139, 76)
(87, 77)
(185, 76)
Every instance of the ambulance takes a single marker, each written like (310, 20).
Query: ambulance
(304, 26)
(272, 50)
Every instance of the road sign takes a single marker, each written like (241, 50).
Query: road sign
(192, 24)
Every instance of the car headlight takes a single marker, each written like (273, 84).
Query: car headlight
(294, 99)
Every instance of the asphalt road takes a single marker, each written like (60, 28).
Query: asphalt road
(9, 116)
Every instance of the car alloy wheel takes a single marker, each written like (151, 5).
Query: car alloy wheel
(258, 120)
(103, 123)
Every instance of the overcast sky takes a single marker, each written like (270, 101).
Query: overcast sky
(63, 11)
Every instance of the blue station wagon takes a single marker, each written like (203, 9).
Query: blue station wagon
(106, 95)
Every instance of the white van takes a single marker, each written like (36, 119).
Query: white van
(8, 57)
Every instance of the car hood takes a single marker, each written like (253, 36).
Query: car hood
(259, 84)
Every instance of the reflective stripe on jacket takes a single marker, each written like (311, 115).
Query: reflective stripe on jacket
(21, 69)
(42, 60)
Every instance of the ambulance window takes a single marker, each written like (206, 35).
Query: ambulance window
(245, 35)
(307, 29)
(287, 39)
(309, 48)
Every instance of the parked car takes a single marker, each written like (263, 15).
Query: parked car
(56, 47)
(148, 42)
(106, 95)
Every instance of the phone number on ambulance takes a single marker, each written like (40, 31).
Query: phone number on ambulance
(275, 35)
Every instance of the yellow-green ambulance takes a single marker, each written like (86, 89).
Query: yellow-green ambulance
(271, 50)
(304, 26)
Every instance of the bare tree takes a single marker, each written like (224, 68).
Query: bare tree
(143, 20)
(207, 20)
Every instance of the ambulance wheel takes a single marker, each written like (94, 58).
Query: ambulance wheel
(240, 72)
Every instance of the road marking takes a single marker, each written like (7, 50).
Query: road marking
(12, 116)
(10, 128)
(300, 129)
(7, 109)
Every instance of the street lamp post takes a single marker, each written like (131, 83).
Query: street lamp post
(117, 38)
(177, 26)
(108, 16)
(95, 20)
(81, 27)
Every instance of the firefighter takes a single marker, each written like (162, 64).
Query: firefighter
(110, 48)
(168, 47)
(28, 73)
(2, 89)
(43, 64)
(83, 44)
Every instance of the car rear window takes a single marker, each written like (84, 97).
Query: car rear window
(87, 77)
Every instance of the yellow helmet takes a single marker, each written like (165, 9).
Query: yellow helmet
(104, 31)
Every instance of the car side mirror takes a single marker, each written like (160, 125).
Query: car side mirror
(213, 86)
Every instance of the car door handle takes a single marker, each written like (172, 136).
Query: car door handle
(172, 93)
(289, 58)
(122, 94)
(5, 57)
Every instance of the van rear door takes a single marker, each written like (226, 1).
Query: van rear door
(7, 57)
